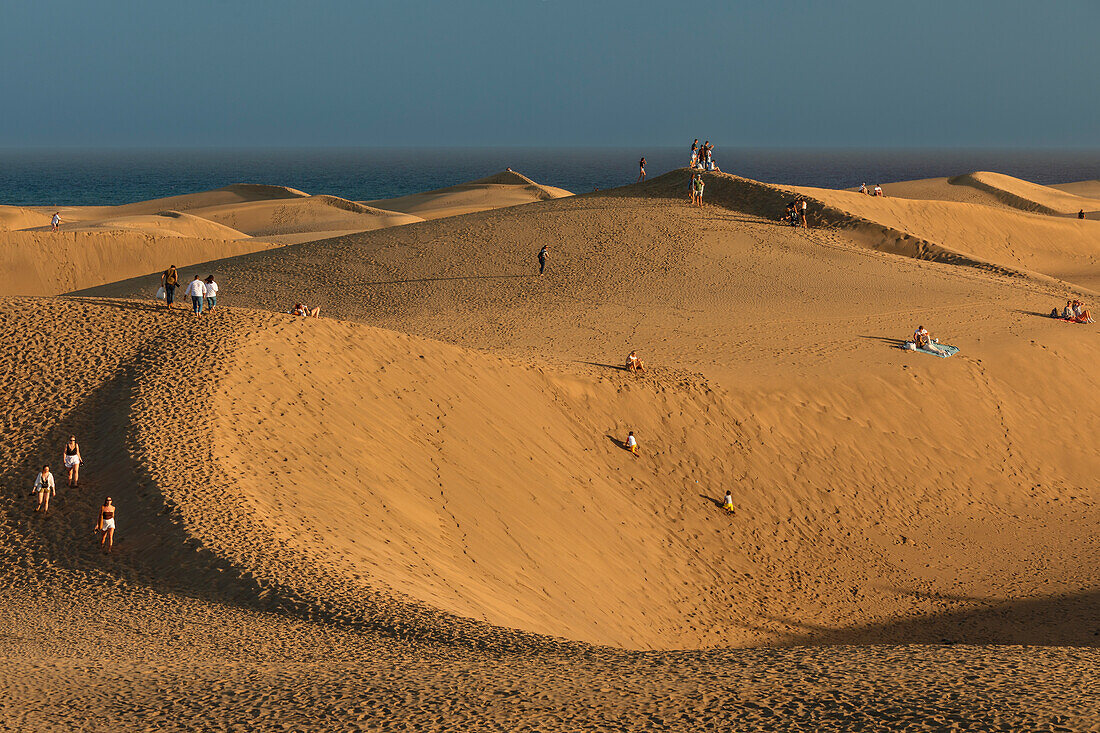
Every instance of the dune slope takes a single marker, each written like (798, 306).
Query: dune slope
(503, 189)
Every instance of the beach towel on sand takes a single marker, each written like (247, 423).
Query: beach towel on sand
(944, 351)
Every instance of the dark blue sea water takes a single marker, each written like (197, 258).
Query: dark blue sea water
(88, 177)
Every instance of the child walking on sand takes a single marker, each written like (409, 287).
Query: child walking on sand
(727, 504)
(632, 443)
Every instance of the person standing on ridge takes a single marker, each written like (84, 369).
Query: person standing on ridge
(802, 211)
(641, 170)
(169, 280)
(544, 253)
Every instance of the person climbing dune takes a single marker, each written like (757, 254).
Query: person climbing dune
(632, 443)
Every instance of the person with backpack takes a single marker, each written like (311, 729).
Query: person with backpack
(169, 280)
(544, 253)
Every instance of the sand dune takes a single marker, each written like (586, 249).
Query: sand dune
(302, 216)
(1087, 189)
(47, 263)
(161, 224)
(18, 217)
(428, 496)
(506, 188)
(999, 190)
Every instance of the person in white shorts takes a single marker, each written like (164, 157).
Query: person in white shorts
(106, 525)
(72, 460)
(44, 488)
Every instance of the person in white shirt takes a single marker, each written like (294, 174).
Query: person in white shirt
(634, 364)
(878, 190)
(802, 210)
(211, 293)
(44, 487)
(55, 222)
(197, 291)
(727, 504)
(632, 444)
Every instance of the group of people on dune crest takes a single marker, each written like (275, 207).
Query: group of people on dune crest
(877, 192)
(702, 157)
(45, 488)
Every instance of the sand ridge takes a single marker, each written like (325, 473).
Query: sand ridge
(400, 519)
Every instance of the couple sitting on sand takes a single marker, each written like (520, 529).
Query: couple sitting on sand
(1074, 312)
(305, 310)
(923, 340)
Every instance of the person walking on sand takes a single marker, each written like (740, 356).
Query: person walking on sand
(169, 280)
(55, 222)
(105, 526)
(70, 457)
(544, 253)
(44, 487)
(641, 170)
(197, 291)
(802, 212)
(632, 443)
(211, 292)
(727, 504)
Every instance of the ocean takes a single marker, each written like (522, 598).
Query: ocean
(107, 177)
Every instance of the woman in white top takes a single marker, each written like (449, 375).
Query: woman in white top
(70, 456)
(211, 293)
(44, 488)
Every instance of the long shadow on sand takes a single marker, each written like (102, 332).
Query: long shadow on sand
(605, 366)
(1062, 620)
(885, 339)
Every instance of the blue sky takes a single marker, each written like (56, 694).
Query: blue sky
(783, 73)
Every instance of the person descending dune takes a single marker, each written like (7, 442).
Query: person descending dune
(105, 526)
(44, 488)
(70, 457)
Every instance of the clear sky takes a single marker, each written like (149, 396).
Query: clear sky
(784, 73)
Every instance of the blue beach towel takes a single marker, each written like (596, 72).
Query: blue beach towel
(944, 351)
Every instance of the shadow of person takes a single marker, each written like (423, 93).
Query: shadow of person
(616, 441)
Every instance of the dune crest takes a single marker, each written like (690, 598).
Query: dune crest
(500, 190)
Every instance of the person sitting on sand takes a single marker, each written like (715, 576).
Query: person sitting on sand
(1067, 312)
(634, 364)
(1081, 214)
(863, 188)
(305, 310)
(44, 487)
(71, 459)
(878, 190)
(728, 503)
(924, 340)
(1081, 314)
(632, 443)
(106, 525)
